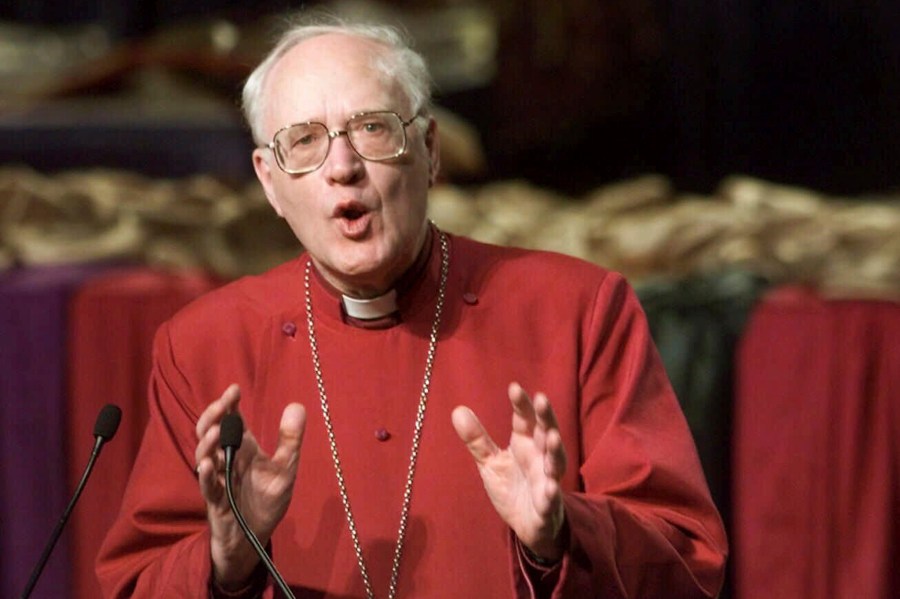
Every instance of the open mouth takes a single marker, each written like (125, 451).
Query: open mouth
(350, 210)
(354, 219)
(352, 213)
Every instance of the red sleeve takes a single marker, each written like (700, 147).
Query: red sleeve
(643, 524)
(159, 544)
(540, 579)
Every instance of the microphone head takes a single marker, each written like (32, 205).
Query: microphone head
(231, 431)
(107, 422)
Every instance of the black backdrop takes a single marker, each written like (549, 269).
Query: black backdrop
(801, 93)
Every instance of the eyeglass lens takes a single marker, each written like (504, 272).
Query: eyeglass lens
(374, 136)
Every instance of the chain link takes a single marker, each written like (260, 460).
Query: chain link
(417, 434)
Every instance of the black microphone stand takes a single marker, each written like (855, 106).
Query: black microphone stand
(39, 567)
(232, 433)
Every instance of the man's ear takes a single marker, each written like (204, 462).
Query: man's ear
(433, 143)
(263, 168)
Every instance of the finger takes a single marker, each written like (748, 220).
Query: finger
(209, 451)
(214, 412)
(548, 438)
(473, 434)
(554, 456)
(207, 460)
(208, 477)
(290, 434)
(546, 417)
(208, 445)
(524, 417)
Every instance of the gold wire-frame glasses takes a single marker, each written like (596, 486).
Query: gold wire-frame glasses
(376, 136)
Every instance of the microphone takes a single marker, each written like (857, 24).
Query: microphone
(231, 433)
(104, 429)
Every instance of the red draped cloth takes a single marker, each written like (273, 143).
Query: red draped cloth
(112, 322)
(817, 450)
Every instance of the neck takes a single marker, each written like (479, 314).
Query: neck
(373, 288)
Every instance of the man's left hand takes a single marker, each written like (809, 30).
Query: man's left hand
(522, 480)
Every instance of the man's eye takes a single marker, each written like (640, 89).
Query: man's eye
(373, 127)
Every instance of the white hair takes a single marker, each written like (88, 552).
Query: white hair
(400, 63)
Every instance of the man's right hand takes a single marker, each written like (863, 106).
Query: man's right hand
(263, 486)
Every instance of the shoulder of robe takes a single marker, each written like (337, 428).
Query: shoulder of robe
(245, 302)
(538, 270)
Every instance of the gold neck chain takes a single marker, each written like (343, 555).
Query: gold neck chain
(417, 434)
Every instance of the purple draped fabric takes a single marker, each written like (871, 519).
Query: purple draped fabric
(33, 324)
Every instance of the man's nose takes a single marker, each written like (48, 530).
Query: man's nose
(342, 163)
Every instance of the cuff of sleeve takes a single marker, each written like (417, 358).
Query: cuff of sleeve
(252, 590)
(536, 566)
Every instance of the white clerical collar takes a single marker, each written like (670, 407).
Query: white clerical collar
(370, 309)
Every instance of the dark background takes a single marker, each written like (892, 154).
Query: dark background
(586, 92)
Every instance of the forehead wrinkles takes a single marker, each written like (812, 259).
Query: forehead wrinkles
(318, 72)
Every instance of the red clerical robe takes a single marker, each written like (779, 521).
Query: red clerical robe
(640, 518)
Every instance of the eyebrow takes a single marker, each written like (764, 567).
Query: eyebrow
(352, 114)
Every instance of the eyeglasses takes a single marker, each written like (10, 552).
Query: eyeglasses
(376, 136)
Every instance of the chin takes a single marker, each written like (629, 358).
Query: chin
(358, 268)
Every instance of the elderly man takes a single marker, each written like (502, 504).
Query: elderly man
(385, 329)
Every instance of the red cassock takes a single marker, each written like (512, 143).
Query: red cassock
(640, 518)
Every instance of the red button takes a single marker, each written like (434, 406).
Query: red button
(470, 298)
(289, 329)
(382, 434)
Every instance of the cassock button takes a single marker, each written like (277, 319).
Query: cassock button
(382, 434)
(289, 329)
(470, 298)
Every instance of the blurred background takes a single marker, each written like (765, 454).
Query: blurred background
(571, 94)
(739, 162)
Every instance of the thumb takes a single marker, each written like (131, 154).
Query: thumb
(473, 434)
